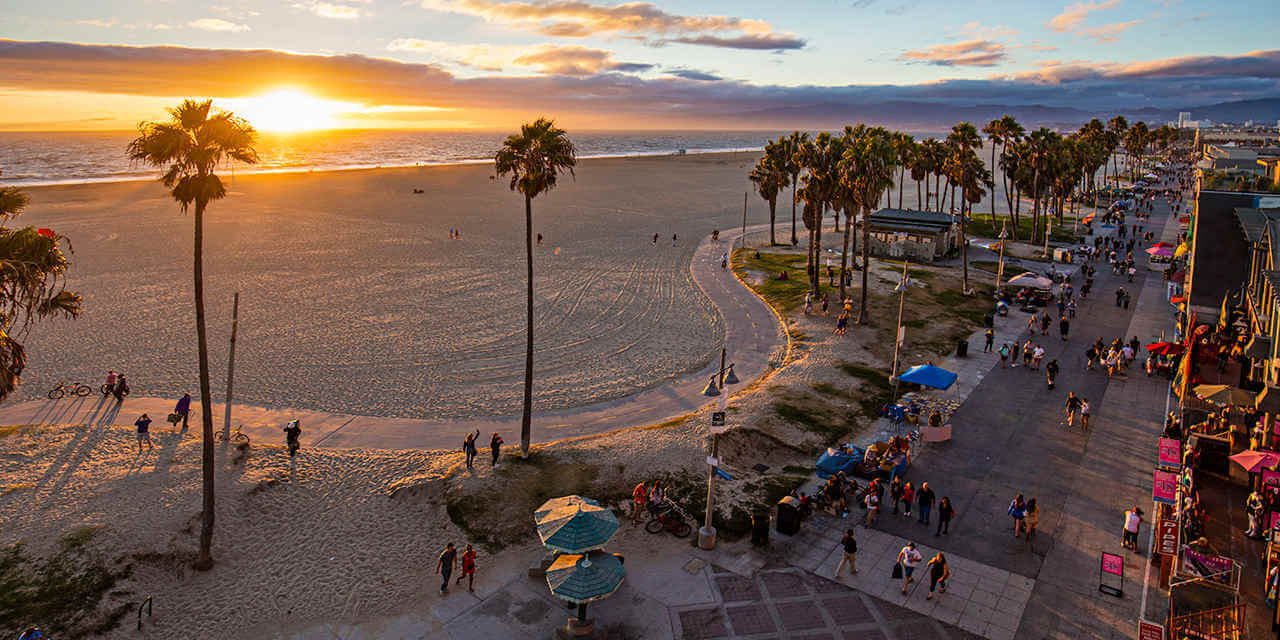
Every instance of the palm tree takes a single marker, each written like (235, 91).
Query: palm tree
(190, 146)
(866, 170)
(791, 152)
(1116, 127)
(974, 181)
(820, 158)
(535, 158)
(1002, 131)
(1135, 145)
(904, 146)
(769, 178)
(919, 164)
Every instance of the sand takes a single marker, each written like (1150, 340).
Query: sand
(354, 299)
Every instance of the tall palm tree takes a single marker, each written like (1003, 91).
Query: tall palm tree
(1135, 145)
(535, 158)
(904, 146)
(1117, 127)
(769, 178)
(1002, 131)
(32, 285)
(866, 169)
(919, 164)
(820, 158)
(791, 150)
(190, 146)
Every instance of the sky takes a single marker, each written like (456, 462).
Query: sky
(72, 64)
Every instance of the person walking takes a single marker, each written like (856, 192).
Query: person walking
(924, 499)
(872, 502)
(639, 496)
(445, 566)
(1085, 415)
(1064, 327)
(895, 493)
(1032, 518)
(1004, 355)
(495, 449)
(121, 389)
(143, 423)
(291, 433)
(850, 553)
(183, 408)
(826, 302)
(1036, 357)
(1013, 354)
(469, 447)
(945, 513)
(468, 568)
(1073, 405)
(938, 574)
(1027, 352)
(656, 496)
(1017, 511)
(1051, 372)
(908, 559)
(1132, 523)
(1253, 507)
(991, 339)
(908, 497)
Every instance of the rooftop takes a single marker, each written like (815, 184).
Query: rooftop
(920, 219)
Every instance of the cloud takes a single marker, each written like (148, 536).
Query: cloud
(575, 61)
(329, 9)
(975, 31)
(1074, 14)
(644, 20)
(1108, 32)
(99, 23)
(570, 60)
(694, 74)
(217, 24)
(970, 53)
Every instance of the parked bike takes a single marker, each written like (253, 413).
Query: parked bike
(672, 519)
(63, 388)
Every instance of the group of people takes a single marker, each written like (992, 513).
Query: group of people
(1115, 357)
(469, 448)
(117, 385)
(1026, 516)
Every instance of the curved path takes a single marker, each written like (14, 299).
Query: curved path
(754, 338)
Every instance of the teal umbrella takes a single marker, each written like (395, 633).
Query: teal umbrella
(574, 524)
(582, 578)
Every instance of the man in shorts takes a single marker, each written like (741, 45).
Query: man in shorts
(143, 423)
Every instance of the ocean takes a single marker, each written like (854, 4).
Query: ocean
(46, 158)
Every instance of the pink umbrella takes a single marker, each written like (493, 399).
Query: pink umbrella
(1163, 252)
(1254, 461)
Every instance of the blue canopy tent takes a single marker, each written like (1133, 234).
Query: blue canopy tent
(929, 376)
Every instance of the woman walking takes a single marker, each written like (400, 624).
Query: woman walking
(945, 513)
(908, 559)
(1032, 518)
(850, 550)
(1017, 511)
(908, 496)
(938, 574)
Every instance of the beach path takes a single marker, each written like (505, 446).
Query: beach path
(754, 337)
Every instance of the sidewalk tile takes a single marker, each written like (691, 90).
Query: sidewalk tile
(702, 624)
(984, 598)
(799, 616)
(948, 611)
(1000, 633)
(1012, 607)
(864, 635)
(750, 619)
(846, 610)
(783, 584)
(734, 588)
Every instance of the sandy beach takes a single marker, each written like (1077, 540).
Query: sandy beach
(354, 299)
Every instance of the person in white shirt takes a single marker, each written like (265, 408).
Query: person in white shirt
(1132, 521)
(909, 558)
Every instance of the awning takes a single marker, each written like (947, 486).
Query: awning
(929, 376)
(1259, 348)
(1268, 400)
(1223, 394)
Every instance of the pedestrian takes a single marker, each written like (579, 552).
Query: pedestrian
(183, 409)
(1027, 352)
(495, 449)
(468, 568)
(938, 574)
(850, 557)
(655, 239)
(808, 302)
(445, 565)
(291, 433)
(831, 276)
(724, 261)
(1004, 355)
(826, 300)
(1017, 511)
(842, 324)
(1084, 414)
(1051, 372)
(872, 502)
(924, 499)
(656, 496)
(895, 493)
(1126, 300)
(1132, 522)
(1253, 507)
(1032, 518)
(908, 559)
(143, 423)
(991, 339)
(908, 497)
(539, 244)
(1036, 357)
(945, 513)
(1013, 355)
(122, 388)
(1064, 327)
(1091, 356)
(469, 447)
(1073, 405)
(674, 237)
(1071, 308)
(639, 496)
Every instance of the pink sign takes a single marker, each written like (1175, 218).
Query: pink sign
(1112, 564)
(1170, 453)
(1164, 488)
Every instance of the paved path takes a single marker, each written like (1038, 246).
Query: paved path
(753, 335)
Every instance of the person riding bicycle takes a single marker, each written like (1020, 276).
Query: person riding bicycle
(111, 379)
(291, 433)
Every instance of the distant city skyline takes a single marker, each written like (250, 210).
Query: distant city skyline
(313, 64)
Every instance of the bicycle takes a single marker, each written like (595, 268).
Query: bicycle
(235, 437)
(63, 388)
(672, 519)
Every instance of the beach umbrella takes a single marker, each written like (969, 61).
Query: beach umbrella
(1177, 300)
(1162, 244)
(1223, 394)
(573, 524)
(929, 376)
(1029, 279)
(584, 577)
(1255, 461)
(1160, 252)
(1089, 218)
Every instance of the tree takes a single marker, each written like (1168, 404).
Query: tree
(1136, 140)
(904, 146)
(820, 158)
(769, 177)
(1003, 131)
(190, 146)
(791, 150)
(1116, 127)
(534, 158)
(866, 170)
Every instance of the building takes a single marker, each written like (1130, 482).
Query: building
(1220, 258)
(923, 236)
(1231, 159)
(1184, 118)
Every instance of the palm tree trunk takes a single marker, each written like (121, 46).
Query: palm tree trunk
(902, 178)
(844, 253)
(817, 248)
(795, 185)
(526, 413)
(205, 560)
(773, 215)
(866, 265)
(919, 201)
(964, 249)
(993, 194)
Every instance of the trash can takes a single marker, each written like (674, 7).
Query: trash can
(760, 529)
(962, 349)
(788, 516)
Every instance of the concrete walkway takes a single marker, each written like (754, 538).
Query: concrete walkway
(754, 337)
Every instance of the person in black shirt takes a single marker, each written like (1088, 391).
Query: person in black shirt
(850, 547)
(445, 565)
(291, 433)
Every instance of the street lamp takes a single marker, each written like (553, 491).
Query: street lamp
(714, 389)
(1004, 239)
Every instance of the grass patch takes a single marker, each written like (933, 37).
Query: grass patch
(785, 295)
(63, 592)
(869, 375)
(921, 274)
(983, 227)
(972, 308)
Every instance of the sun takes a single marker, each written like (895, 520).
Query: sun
(289, 110)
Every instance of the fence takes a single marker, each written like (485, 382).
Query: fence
(1226, 623)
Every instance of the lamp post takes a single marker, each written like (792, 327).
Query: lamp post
(1004, 238)
(714, 388)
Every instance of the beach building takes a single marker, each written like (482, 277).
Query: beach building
(923, 236)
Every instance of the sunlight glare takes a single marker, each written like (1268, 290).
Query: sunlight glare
(289, 110)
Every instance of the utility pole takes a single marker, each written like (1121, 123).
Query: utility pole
(744, 229)
(1004, 238)
(231, 367)
(707, 534)
(897, 336)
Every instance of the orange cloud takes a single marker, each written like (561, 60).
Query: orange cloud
(1074, 14)
(1108, 32)
(571, 60)
(970, 53)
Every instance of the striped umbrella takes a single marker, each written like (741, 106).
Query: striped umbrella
(582, 578)
(573, 524)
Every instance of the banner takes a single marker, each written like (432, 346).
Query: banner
(1170, 453)
(1216, 568)
(1164, 488)
(1167, 537)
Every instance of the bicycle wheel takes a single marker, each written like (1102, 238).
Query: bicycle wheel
(105, 389)
(655, 526)
(682, 530)
(240, 438)
(82, 390)
(56, 394)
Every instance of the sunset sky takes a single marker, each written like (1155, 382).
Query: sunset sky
(67, 64)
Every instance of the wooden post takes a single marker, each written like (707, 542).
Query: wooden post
(744, 221)
(231, 367)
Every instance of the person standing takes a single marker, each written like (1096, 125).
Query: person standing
(1017, 511)
(183, 409)
(908, 558)
(938, 574)
(1013, 354)
(143, 423)
(1085, 415)
(850, 551)
(908, 497)
(1064, 327)
(1051, 372)
(895, 493)
(495, 449)
(924, 499)
(991, 339)
(826, 301)
(468, 568)
(1253, 507)
(469, 447)
(1032, 518)
(121, 389)
(639, 496)
(1036, 357)
(1004, 355)
(872, 502)
(445, 565)
(656, 496)
(1073, 405)
(292, 432)
(1132, 522)
(945, 513)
